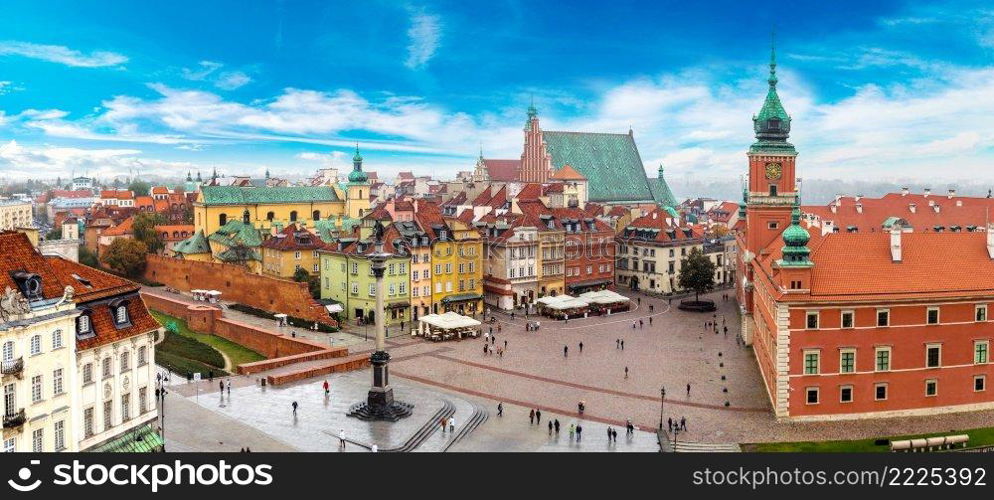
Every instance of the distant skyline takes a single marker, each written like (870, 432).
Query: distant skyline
(877, 91)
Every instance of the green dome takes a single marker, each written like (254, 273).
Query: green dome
(357, 156)
(796, 236)
(358, 176)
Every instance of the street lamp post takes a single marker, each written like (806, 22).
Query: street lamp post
(662, 401)
(380, 404)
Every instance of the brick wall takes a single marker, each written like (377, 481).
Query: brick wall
(237, 284)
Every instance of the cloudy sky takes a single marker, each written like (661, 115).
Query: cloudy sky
(877, 90)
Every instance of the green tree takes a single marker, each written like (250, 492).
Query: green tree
(697, 273)
(88, 258)
(145, 232)
(54, 234)
(126, 256)
(313, 282)
(301, 275)
(140, 188)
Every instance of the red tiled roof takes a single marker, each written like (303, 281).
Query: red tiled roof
(102, 319)
(101, 283)
(568, 173)
(293, 238)
(182, 231)
(160, 190)
(502, 170)
(959, 210)
(62, 193)
(120, 194)
(530, 192)
(484, 197)
(17, 254)
(125, 227)
(659, 220)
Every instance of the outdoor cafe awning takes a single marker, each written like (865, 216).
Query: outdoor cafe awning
(449, 320)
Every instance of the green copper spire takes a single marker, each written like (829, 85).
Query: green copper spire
(795, 238)
(357, 176)
(772, 124)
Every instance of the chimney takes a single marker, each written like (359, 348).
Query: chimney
(905, 191)
(990, 240)
(928, 191)
(838, 199)
(959, 203)
(859, 208)
(936, 207)
(952, 193)
(895, 243)
(912, 206)
(835, 208)
(654, 215)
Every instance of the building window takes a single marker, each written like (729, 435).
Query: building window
(981, 313)
(847, 361)
(222, 219)
(57, 339)
(883, 317)
(108, 414)
(143, 399)
(121, 315)
(125, 361)
(270, 216)
(36, 390)
(931, 388)
(880, 392)
(142, 355)
(83, 324)
(812, 320)
(811, 359)
(293, 216)
(37, 440)
(35, 345)
(57, 387)
(87, 422)
(883, 359)
(845, 394)
(60, 435)
(88, 373)
(8, 351)
(812, 395)
(979, 383)
(107, 367)
(933, 356)
(847, 319)
(932, 316)
(773, 225)
(125, 407)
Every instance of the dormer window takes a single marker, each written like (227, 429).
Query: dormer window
(83, 325)
(121, 314)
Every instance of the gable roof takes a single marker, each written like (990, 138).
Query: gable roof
(502, 170)
(218, 195)
(610, 162)
(661, 192)
(568, 173)
(195, 244)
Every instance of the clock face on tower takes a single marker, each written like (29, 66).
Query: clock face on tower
(774, 170)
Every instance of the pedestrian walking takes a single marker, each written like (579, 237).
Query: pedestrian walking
(688, 390)
(683, 423)
(622, 344)
(650, 308)
(327, 388)
(498, 327)
(617, 343)
(538, 416)
(726, 331)
(670, 422)
(572, 431)
(500, 409)
(294, 406)
(579, 432)
(442, 421)
(565, 351)
(493, 338)
(486, 336)
(556, 425)
(210, 375)
(608, 434)
(614, 435)
(221, 383)
(341, 439)
(505, 344)
(626, 373)
(452, 424)
(639, 299)
(633, 325)
(229, 387)
(531, 416)
(581, 346)
(650, 320)
(550, 427)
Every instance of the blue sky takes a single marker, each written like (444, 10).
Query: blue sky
(876, 89)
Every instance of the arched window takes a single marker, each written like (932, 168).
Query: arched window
(316, 215)
(245, 216)
(270, 216)
(8, 350)
(175, 234)
(293, 216)
(125, 361)
(222, 219)
(35, 345)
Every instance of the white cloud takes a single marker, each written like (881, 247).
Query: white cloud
(209, 71)
(62, 55)
(423, 39)
(22, 162)
(231, 80)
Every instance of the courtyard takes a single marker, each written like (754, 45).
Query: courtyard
(727, 402)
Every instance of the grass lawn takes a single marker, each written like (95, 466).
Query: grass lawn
(978, 437)
(181, 366)
(235, 352)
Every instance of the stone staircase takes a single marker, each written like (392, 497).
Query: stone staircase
(690, 447)
(480, 415)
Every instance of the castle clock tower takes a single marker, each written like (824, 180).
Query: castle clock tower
(772, 175)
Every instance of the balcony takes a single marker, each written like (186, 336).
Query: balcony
(14, 420)
(12, 367)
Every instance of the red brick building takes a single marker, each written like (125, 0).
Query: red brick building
(589, 250)
(887, 320)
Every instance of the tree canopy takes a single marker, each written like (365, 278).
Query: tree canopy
(126, 256)
(140, 188)
(697, 273)
(145, 232)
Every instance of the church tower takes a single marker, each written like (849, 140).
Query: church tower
(772, 186)
(357, 196)
(480, 173)
(536, 162)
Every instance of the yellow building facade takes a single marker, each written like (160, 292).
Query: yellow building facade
(457, 270)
